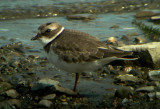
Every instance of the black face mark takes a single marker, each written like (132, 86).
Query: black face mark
(48, 23)
(48, 30)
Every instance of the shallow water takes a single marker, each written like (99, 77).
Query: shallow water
(24, 29)
(4, 4)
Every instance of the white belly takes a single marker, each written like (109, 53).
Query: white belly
(78, 67)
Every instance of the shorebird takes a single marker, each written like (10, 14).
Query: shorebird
(75, 51)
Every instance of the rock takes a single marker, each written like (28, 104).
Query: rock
(15, 102)
(128, 78)
(158, 95)
(148, 53)
(45, 103)
(125, 100)
(49, 97)
(46, 82)
(145, 14)
(2, 38)
(6, 105)
(152, 95)
(12, 39)
(135, 72)
(154, 83)
(155, 18)
(115, 26)
(139, 40)
(125, 38)
(4, 86)
(64, 103)
(154, 75)
(66, 91)
(123, 92)
(112, 40)
(81, 17)
(127, 69)
(43, 83)
(132, 34)
(145, 89)
(12, 93)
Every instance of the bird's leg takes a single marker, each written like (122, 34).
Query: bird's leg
(76, 82)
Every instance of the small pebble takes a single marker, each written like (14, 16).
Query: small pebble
(139, 40)
(145, 89)
(128, 78)
(15, 102)
(123, 92)
(143, 14)
(125, 100)
(158, 95)
(2, 37)
(81, 17)
(63, 100)
(12, 93)
(132, 34)
(65, 103)
(49, 97)
(127, 69)
(115, 26)
(45, 103)
(112, 40)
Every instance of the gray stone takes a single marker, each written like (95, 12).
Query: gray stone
(66, 90)
(128, 78)
(15, 102)
(65, 103)
(43, 83)
(46, 82)
(12, 93)
(5, 105)
(123, 92)
(45, 103)
(4, 86)
(139, 40)
(145, 89)
(81, 17)
(148, 53)
(152, 95)
(144, 14)
(158, 95)
(125, 100)
(154, 75)
(155, 18)
(154, 83)
(49, 97)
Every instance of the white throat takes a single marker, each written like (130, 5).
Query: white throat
(45, 41)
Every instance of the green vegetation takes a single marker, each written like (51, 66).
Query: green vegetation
(151, 32)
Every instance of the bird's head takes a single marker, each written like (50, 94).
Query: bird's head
(48, 32)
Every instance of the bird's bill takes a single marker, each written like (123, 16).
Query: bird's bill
(35, 37)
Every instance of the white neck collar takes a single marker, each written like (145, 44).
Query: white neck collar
(45, 41)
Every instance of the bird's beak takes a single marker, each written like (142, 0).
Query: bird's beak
(35, 37)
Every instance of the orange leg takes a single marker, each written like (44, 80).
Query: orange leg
(76, 82)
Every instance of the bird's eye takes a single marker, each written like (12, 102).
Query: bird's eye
(48, 30)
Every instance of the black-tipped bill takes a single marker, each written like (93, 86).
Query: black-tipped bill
(35, 37)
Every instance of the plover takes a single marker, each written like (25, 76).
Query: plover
(75, 51)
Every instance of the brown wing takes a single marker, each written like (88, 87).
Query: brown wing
(75, 46)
